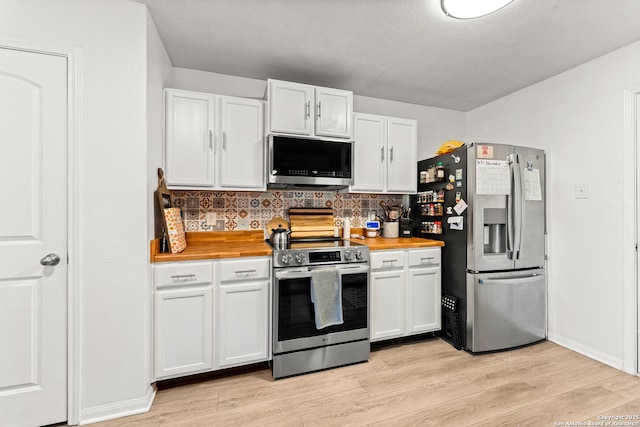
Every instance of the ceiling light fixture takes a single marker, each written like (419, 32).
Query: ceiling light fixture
(467, 9)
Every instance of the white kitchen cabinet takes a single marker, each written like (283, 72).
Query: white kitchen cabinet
(243, 312)
(405, 292)
(385, 154)
(301, 109)
(387, 311)
(214, 142)
(423, 291)
(183, 319)
(189, 133)
(242, 157)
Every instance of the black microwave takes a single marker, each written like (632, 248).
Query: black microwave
(306, 162)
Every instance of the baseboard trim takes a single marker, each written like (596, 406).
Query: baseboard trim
(585, 350)
(118, 409)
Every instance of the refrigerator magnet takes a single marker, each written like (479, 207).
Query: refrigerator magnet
(452, 178)
(460, 207)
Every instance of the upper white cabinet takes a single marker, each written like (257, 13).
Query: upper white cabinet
(386, 151)
(301, 109)
(214, 142)
(189, 133)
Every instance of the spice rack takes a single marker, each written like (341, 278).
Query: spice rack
(431, 201)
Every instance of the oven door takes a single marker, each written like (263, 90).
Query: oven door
(294, 325)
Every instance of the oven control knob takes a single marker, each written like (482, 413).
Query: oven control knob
(300, 258)
(286, 259)
(359, 254)
(348, 255)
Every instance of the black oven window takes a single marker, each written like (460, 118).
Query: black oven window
(296, 316)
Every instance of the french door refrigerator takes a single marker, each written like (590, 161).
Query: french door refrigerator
(487, 203)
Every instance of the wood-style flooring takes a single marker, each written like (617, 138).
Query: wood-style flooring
(420, 383)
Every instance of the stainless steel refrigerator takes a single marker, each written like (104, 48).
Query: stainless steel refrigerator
(487, 203)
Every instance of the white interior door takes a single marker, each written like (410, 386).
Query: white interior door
(33, 231)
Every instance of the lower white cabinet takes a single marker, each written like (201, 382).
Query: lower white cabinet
(183, 319)
(243, 312)
(405, 292)
(211, 315)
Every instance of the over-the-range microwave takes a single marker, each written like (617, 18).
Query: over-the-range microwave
(306, 162)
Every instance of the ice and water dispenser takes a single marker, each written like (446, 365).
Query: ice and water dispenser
(495, 230)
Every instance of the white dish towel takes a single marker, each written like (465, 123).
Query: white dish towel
(326, 296)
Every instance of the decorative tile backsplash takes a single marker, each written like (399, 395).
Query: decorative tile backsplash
(210, 210)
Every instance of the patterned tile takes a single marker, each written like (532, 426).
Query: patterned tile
(253, 210)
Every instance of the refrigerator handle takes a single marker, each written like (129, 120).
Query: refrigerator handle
(519, 207)
(510, 280)
(510, 210)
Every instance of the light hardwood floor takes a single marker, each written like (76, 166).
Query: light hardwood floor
(411, 384)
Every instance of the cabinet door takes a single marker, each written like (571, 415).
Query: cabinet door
(183, 331)
(242, 155)
(369, 134)
(334, 108)
(423, 300)
(290, 107)
(387, 304)
(189, 121)
(243, 323)
(402, 143)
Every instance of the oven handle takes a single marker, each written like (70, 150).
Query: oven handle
(302, 272)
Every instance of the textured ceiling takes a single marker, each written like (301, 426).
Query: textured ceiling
(403, 50)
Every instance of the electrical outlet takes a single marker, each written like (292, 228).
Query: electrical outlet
(582, 191)
(211, 218)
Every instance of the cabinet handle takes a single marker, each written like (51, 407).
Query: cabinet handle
(429, 260)
(245, 271)
(319, 109)
(389, 260)
(381, 154)
(308, 109)
(183, 276)
(391, 155)
(224, 140)
(210, 139)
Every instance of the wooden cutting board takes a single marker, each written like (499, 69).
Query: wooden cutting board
(275, 222)
(311, 222)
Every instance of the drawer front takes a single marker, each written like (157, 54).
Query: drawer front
(245, 269)
(424, 257)
(385, 260)
(183, 274)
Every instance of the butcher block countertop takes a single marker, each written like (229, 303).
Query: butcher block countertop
(250, 243)
(216, 244)
(382, 243)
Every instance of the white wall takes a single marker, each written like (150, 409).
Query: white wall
(113, 251)
(577, 118)
(159, 75)
(435, 125)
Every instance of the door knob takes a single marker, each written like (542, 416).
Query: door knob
(50, 259)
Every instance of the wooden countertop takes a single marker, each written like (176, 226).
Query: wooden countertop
(235, 244)
(381, 243)
(216, 244)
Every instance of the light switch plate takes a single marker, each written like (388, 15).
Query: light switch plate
(582, 191)
(211, 218)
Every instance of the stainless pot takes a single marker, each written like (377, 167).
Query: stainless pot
(279, 237)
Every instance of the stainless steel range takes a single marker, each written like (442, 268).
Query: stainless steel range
(300, 345)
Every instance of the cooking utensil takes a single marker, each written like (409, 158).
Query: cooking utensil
(279, 238)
